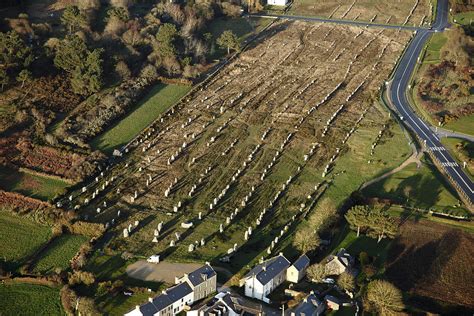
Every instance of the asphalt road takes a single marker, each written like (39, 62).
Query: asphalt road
(398, 96)
(399, 86)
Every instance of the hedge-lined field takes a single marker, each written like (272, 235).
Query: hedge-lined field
(29, 299)
(59, 253)
(20, 238)
(30, 184)
(157, 101)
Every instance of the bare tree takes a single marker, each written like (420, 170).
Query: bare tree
(316, 272)
(306, 240)
(346, 281)
(384, 298)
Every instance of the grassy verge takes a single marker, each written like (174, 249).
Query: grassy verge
(31, 184)
(19, 238)
(58, 253)
(433, 49)
(423, 187)
(157, 101)
(464, 18)
(29, 299)
(463, 125)
(463, 151)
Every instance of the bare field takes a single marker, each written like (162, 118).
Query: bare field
(433, 260)
(410, 12)
(249, 153)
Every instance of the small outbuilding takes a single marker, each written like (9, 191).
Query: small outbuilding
(340, 263)
(153, 259)
(277, 2)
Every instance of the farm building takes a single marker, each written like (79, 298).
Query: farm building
(189, 289)
(277, 2)
(311, 306)
(265, 277)
(298, 269)
(340, 263)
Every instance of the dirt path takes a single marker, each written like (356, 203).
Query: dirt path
(414, 158)
(161, 272)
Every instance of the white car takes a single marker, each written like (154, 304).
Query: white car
(328, 281)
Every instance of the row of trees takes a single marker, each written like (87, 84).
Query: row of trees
(373, 221)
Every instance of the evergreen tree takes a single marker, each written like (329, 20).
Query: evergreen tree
(24, 76)
(14, 53)
(73, 18)
(357, 217)
(229, 41)
(3, 78)
(83, 66)
(165, 37)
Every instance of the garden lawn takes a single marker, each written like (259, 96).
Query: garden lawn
(423, 188)
(59, 253)
(20, 238)
(29, 299)
(157, 101)
(32, 185)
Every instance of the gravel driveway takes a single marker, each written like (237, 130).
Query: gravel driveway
(161, 272)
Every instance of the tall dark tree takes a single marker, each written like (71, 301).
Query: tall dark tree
(83, 66)
(165, 37)
(73, 18)
(14, 53)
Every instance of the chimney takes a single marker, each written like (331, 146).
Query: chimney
(150, 299)
(137, 307)
(264, 268)
(207, 263)
(164, 292)
(281, 253)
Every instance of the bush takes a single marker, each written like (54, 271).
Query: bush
(364, 258)
(78, 277)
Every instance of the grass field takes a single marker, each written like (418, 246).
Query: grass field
(464, 18)
(433, 49)
(29, 300)
(157, 101)
(463, 125)
(58, 253)
(32, 185)
(19, 238)
(423, 188)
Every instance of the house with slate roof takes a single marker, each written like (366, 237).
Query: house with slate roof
(189, 289)
(265, 277)
(226, 304)
(203, 281)
(311, 306)
(340, 263)
(297, 270)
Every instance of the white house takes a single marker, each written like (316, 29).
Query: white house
(188, 289)
(171, 302)
(277, 2)
(297, 270)
(265, 277)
